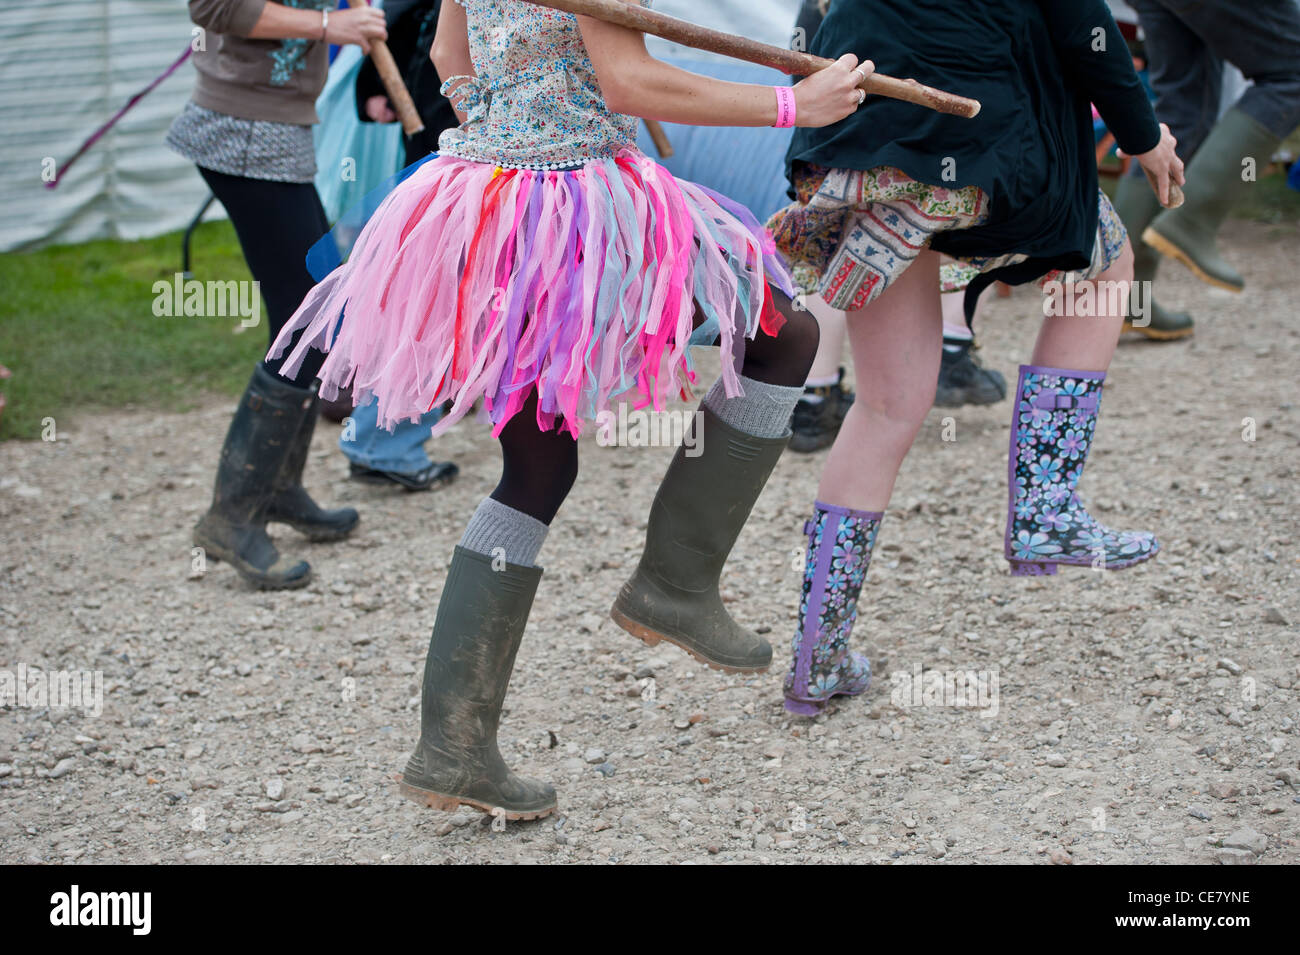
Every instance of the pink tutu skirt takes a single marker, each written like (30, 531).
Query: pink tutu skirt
(472, 281)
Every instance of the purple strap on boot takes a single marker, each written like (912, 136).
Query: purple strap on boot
(1055, 401)
(130, 104)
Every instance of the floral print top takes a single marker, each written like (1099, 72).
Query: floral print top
(535, 102)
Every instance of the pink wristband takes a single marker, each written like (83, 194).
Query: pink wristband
(784, 107)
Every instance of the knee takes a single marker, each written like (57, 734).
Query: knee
(567, 474)
(801, 335)
(890, 424)
(906, 412)
(789, 354)
(556, 481)
(899, 405)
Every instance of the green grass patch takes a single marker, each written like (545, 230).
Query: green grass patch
(78, 329)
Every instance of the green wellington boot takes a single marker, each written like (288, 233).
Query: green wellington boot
(292, 505)
(261, 435)
(1137, 204)
(702, 504)
(480, 622)
(1215, 183)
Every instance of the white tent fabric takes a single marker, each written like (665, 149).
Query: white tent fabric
(65, 68)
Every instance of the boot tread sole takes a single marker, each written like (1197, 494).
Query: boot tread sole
(1159, 335)
(448, 803)
(219, 554)
(653, 637)
(1048, 567)
(1166, 248)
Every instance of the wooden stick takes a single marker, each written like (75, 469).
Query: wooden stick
(394, 86)
(789, 62)
(403, 105)
(660, 138)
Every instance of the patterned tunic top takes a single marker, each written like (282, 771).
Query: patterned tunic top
(535, 102)
(252, 148)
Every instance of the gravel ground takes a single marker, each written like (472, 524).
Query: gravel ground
(1148, 715)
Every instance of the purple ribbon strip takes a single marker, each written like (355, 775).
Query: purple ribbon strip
(97, 134)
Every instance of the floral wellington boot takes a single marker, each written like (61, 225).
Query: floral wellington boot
(839, 549)
(1048, 524)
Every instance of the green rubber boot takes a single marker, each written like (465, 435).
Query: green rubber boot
(702, 504)
(1215, 184)
(261, 435)
(292, 505)
(1137, 204)
(480, 622)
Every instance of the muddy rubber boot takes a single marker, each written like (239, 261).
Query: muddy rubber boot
(697, 514)
(481, 619)
(234, 528)
(1137, 204)
(1215, 184)
(291, 504)
(1047, 521)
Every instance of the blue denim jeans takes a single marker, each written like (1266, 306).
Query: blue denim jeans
(401, 450)
(1187, 43)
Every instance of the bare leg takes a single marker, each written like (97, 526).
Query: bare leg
(1085, 340)
(895, 341)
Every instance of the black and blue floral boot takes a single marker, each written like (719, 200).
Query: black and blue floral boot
(839, 550)
(1048, 524)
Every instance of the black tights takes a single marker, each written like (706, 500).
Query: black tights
(539, 467)
(277, 222)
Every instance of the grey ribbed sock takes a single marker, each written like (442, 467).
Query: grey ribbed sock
(763, 410)
(498, 530)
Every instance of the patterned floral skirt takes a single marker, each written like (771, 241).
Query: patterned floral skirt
(850, 234)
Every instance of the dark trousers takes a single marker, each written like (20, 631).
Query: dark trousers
(1188, 42)
(277, 222)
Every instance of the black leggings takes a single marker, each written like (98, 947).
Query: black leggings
(277, 222)
(539, 467)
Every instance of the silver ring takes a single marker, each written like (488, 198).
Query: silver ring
(858, 70)
(862, 96)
